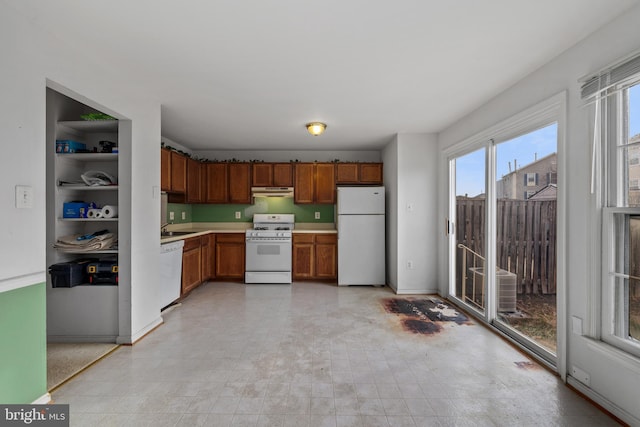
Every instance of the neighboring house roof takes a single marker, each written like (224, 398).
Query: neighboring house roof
(521, 169)
(550, 192)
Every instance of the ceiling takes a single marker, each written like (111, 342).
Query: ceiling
(247, 75)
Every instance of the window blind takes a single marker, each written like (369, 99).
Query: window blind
(610, 77)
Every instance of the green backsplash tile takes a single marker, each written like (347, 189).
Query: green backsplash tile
(177, 209)
(273, 205)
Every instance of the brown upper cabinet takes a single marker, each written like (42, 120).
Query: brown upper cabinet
(195, 193)
(165, 169)
(359, 173)
(178, 173)
(271, 175)
(217, 191)
(303, 183)
(228, 182)
(173, 171)
(325, 183)
(314, 183)
(239, 183)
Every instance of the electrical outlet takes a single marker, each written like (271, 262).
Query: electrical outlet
(172, 216)
(238, 215)
(580, 375)
(184, 215)
(317, 215)
(410, 265)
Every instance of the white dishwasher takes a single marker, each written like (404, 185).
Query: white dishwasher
(170, 272)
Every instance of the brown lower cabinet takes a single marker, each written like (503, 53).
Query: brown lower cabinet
(208, 247)
(315, 256)
(191, 265)
(229, 255)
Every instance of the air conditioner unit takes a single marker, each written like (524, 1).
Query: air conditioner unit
(507, 297)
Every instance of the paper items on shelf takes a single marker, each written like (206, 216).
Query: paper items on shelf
(71, 243)
(109, 211)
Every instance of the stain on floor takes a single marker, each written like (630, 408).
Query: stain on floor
(526, 365)
(423, 316)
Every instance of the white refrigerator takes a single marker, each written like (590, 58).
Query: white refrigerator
(361, 236)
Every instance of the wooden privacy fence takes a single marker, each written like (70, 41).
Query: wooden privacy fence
(526, 240)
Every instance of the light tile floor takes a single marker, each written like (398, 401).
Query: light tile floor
(313, 354)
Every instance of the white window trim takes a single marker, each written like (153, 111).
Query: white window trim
(609, 282)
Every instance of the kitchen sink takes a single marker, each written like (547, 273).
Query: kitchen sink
(175, 233)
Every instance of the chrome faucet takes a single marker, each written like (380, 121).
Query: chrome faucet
(163, 227)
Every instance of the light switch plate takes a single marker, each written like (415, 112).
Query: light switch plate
(172, 216)
(184, 215)
(238, 215)
(317, 215)
(24, 196)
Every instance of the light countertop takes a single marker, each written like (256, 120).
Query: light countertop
(202, 228)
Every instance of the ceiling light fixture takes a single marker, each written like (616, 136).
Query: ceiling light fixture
(316, 128)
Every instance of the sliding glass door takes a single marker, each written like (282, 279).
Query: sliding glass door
(526, 217)
(470, 241)
(510, 225)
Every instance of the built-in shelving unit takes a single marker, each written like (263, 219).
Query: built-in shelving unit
(85, 312)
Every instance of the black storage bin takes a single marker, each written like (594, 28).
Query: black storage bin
(70, 274)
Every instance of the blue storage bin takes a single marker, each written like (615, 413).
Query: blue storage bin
(75, 210)
(69, 146)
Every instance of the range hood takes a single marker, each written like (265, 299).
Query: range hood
(271, 191)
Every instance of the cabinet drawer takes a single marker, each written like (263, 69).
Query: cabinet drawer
(190, 244)
(302, 238)
(230, 238)
(326, 238)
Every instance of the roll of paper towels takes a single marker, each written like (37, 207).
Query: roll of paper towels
(109, 211)
(94, 213)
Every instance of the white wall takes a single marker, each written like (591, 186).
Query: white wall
(30, 58)
(614, 378)
(390, 160)
(411, 175)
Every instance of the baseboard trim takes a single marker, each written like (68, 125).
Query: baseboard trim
(416, 291)
(602, 401)
(42, 400)
(132, 339)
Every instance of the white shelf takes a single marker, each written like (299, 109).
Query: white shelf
(85, 187)
(102, 251)
(92, 125)
(89, 157)
(88, 219)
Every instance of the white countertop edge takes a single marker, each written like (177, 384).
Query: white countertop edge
(18, 282)
(202, 228)
(315, 231)
(315, 227)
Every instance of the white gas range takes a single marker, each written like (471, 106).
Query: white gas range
(268, 249)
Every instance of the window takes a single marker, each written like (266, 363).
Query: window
(530, 179)
(528, 194)
(621, 217)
